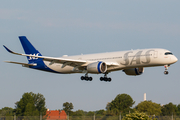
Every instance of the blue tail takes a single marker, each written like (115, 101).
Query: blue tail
(29, 49)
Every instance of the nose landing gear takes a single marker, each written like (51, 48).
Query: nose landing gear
(166, 68)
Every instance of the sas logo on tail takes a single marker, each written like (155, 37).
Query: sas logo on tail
(33, 58)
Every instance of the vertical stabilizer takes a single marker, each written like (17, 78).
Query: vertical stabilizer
(29, 49)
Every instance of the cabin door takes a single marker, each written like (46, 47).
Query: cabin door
(155, 54)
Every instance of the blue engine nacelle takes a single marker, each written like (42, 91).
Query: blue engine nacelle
(97, 67)
(134, 71)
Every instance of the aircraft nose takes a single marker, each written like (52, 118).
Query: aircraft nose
(175, 59)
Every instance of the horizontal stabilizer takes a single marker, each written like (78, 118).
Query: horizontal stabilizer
(23, 64)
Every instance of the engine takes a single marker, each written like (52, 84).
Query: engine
(134, 71)
(97, 67)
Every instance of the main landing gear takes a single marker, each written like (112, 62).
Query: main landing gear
(86, 77)
(105, 78)
(166, 68)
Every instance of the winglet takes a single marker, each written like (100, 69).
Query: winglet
(8, 49)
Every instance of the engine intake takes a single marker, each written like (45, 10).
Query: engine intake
(97, 67)
(134, 71)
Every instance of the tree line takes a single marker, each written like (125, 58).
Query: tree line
(32, 104)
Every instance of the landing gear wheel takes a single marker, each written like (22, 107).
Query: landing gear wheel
(86, 78)
(166, 72)
(166, 68)
(109, 79)
(105, 79)
(82, 77)
(90, 78)
(101, 78)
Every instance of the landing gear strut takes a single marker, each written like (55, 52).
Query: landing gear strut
(105, 78)
(86, 77)
(166, 68)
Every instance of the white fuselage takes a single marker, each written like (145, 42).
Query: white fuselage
(121, 60)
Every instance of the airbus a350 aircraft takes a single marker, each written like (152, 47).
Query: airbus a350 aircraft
(131, 62)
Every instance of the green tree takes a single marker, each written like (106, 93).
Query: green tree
(100, 113)
(78, 113)
(169, 109)
(30, 105)
(39, 102)
(67, 107)
(178, 110)
(7, 111)
(90, 113)
(137, 116)
(122, 103)
(149, 108)
(108, 106)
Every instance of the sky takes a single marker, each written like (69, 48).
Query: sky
(59, 27)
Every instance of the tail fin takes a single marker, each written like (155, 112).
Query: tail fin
(29, 49)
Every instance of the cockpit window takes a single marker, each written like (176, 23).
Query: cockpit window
(168, 53)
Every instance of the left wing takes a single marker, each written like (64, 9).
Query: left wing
(52, 60)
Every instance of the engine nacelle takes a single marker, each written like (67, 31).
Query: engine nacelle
(97, 67)
(134, 71)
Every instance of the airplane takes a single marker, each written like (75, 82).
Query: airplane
(131, 62)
